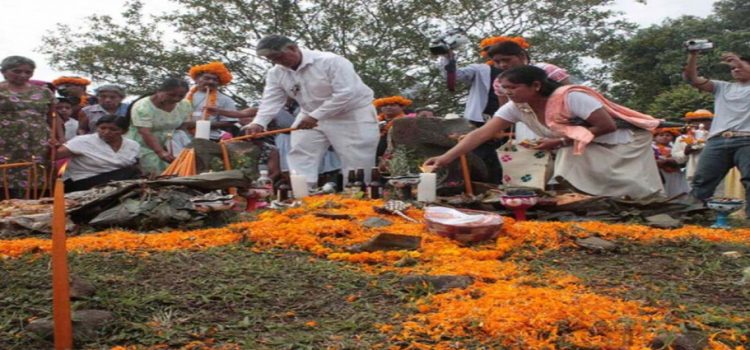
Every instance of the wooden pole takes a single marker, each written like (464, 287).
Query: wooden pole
(53, 149)
(227, 164)
(260, 134)
(205, 104)
(60, 286)
(467, 175)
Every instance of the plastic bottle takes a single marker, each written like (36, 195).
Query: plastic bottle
(265, 182)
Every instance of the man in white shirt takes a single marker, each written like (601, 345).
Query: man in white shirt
(335, 106)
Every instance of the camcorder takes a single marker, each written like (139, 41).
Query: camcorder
(701, 45)
(452, 39)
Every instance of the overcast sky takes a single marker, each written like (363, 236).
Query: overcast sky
(24, 22)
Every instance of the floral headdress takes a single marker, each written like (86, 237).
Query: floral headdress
(674, 131)
(217, 68)
(403, 101)
(71, 80)
(486, 43)
(699, 114)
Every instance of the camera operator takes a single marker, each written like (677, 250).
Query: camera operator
(728, 143)
(481, 103)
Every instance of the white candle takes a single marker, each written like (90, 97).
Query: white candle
(427, 188)
(202, 129)
(299, 186)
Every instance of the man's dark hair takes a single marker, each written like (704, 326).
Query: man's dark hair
(508, 48)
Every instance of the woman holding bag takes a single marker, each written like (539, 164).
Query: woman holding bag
(601, 146)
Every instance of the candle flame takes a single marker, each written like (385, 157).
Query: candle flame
(62, 169)
(427, 168)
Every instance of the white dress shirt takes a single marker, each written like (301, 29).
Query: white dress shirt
(325, 85)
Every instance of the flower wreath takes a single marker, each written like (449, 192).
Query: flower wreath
(71, 80)
(699, 114)
(486, 43)
(674, 131)
(217, 68)
(399, 100)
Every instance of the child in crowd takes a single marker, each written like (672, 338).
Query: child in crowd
(64, 109)
(669, 169)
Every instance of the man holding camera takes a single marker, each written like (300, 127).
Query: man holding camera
(335, 107)
(481, 103)
(728, 143)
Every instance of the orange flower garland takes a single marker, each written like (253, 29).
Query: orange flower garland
(398, 100)
(213, 94)
(674, 131)
(506, 305)
(699, 114)
(487, 42)
(71, 80)
(216, 68)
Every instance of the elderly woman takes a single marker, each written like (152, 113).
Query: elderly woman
(109, 98)
(98, 158)
(24, 128)
(603, 149)
(155, 119)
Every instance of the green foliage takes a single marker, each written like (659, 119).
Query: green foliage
(386, 40)
(651, 62)
(674, 103)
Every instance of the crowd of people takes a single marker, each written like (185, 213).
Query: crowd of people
(594, 145)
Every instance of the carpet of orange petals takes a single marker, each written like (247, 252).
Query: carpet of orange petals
(505, 306)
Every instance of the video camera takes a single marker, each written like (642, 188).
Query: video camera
(700, 45)
(451, 39)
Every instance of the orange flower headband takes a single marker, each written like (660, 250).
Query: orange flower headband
(487, 42)
(70, 80)
(699, 114)
(391, 100)
(217, 68)
(674, 131)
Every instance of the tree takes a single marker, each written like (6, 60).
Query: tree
(385, 39)
(673, 104)
(651, 62)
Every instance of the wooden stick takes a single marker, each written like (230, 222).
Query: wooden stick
(5, 183)
(28, 184)
(15, 165)
(34, 178)
(205, 105)
(53, 149)
(227, 164)
(467, 175)
(63, 326)
(260, 134)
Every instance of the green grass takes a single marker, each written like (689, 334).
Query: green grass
(230, 294)
(692, 273)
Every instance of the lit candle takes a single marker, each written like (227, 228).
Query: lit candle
(202, 129)
(426, 190)
(299, 185)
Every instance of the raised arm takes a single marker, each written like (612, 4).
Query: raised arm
(691, 72)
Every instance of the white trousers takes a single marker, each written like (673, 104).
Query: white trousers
(354, 136)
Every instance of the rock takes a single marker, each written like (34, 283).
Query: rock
(439, 283)
(596, 244)
(688, 341)
(375, 221)
(387, 241)
(333, 216)
(663, 221)
(42, 328)
(85, 324)
(80, 288)
(406, 262)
